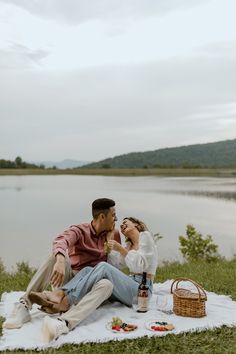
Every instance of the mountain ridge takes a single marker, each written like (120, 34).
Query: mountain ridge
(215, 154)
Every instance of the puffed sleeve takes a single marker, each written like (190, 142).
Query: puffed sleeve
(139, 261)
(116, 259)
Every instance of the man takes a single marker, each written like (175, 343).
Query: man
(80, 246)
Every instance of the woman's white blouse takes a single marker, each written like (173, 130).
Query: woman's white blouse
(142, 260)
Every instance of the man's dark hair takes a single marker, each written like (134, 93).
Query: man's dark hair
(101, 205)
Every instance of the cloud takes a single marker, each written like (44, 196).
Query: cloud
(19, 57)
(223, 48)
(225, 110)
(107, 111)
(78, 11)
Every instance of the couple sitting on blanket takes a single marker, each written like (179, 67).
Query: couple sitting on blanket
(85, 267)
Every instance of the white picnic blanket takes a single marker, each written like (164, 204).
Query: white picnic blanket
(221, 310)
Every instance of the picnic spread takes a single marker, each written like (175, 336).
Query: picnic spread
(176, 306)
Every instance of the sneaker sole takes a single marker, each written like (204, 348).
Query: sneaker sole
(11, 326)
(15, 325)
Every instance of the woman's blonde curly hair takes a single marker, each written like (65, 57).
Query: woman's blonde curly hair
(138, 223)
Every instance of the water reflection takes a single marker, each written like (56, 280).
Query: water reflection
(16, 188)
(47, 205)
(230, 196)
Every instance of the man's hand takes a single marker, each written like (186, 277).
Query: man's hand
(58, 273)
(110, 235)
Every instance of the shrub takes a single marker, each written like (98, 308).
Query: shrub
(194, 247)
(24, 268)
(2, 268)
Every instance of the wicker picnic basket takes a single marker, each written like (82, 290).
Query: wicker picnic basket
(187, 303)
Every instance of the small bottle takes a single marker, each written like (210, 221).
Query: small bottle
(143, 294)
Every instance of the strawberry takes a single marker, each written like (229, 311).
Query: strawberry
(158, 328)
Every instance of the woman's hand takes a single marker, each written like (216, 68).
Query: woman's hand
(116, 246)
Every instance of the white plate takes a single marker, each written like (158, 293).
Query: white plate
(109, 327)
(151, 323)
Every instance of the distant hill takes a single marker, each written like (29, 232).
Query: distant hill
(67, 163)
(218, 154)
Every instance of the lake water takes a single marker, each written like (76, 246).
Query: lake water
(34, 209)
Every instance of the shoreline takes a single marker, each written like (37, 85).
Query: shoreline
(175, 172)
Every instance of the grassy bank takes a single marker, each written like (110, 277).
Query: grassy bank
(219, 277)
(213, 172)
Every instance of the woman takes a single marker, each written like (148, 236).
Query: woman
(91, 286)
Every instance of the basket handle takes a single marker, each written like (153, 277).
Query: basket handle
(178, 280)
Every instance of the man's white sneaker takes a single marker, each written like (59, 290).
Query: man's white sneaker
(52, 328)
(18, 317)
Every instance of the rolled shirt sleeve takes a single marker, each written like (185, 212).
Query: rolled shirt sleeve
(66, 240)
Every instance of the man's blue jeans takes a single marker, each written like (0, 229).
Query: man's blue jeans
(125, 287)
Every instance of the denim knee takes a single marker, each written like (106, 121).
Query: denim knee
(103, 266)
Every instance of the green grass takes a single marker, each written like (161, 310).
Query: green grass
(214, 172)
(219, 277)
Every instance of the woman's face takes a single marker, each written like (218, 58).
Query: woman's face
(126, 226)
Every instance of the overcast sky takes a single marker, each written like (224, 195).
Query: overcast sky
(91, 79)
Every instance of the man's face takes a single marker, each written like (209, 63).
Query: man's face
(110, 219)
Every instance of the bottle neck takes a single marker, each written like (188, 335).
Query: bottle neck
(144, 279)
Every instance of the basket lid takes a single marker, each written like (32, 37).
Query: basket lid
(187, 294)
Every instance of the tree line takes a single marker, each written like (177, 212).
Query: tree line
(220, 154)
(18, 163)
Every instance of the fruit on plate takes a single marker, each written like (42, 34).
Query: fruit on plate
(162, 326)
(118, 325)
(116, 321)
(128, 327)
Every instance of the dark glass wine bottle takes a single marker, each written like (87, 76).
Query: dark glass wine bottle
(143, 294)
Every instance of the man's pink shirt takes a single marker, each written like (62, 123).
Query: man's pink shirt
(85, 247)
